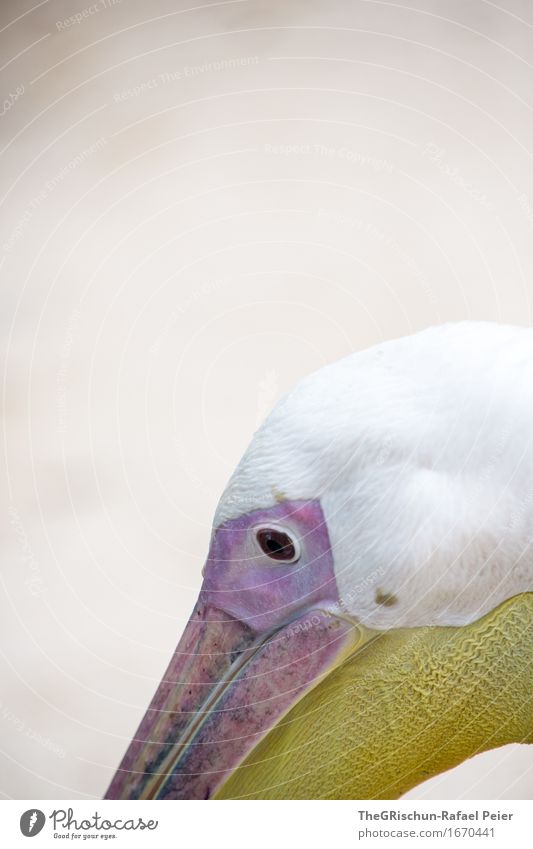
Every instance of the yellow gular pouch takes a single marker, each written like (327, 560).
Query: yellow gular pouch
(409, 704)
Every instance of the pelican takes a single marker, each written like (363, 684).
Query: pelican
(366, 614)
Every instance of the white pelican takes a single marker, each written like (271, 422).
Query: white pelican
(366, 615)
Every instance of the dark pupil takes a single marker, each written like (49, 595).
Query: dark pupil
(276, 544)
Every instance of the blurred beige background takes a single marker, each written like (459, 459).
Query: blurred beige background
(200, 203)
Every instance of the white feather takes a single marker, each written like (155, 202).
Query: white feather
(421, 453)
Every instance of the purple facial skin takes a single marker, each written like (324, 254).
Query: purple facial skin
(262, 633)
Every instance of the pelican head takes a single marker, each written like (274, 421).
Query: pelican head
(366, 617)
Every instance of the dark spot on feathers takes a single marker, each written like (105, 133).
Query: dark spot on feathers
(385, 599)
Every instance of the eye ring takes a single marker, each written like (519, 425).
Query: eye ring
(277, 543)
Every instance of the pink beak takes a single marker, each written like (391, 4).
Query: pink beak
(259, 638)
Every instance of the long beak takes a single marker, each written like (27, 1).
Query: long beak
(225, 688)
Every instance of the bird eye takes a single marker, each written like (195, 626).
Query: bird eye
(277, 544)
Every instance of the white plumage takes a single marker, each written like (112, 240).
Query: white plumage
(421, 453)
